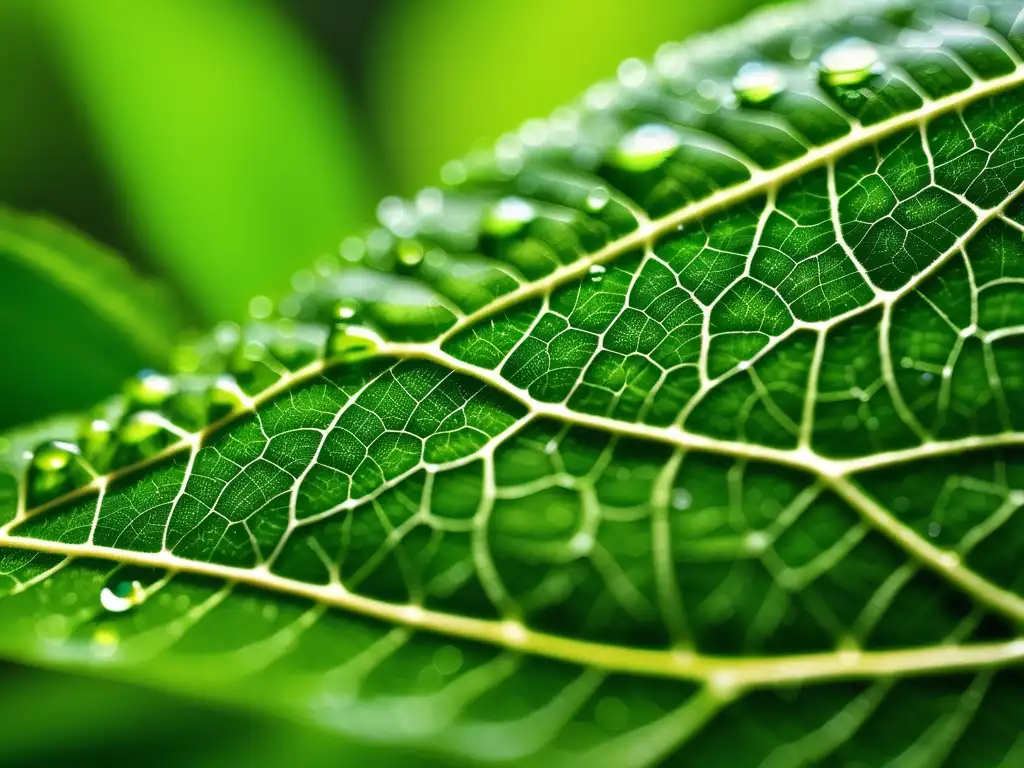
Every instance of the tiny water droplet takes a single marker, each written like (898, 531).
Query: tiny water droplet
(849, 62)
(596, 273)
(122, 596)
(352, 342)
(346, 310)
(681, 499)
(508, 216)
(55, 468)
(646, 147)
(934, 529)
(756, 83)
(597, 199)
(149, 389)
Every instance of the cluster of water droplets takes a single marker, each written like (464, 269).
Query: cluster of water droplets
(214, 379)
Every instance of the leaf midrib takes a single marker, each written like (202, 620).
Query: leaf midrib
(729, 675)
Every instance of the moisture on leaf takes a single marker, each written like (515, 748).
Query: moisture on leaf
(684, 427)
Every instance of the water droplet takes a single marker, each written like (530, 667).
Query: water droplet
(143, 434)
(55, 468)
(447, 659)
(346, 310)
(96, 439)
(225, 397)
(410, 253)
(352, 342)
(250, 368)
(756, 83)
(508, 216)
(596, 272)
(122, 596)
(979, 14)
(294, 350)
(149, 389)
(849, 62)
(632, 73)
(646, 147)
(597, 199)
(681, 499)
(934, 529)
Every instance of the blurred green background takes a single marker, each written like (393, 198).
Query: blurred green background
(220, 145)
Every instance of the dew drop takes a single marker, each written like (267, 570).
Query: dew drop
(681, 499)
(54, 469)
(597, 199)
(410, 253)
(596, 273)
(849, 62)
(143, 434)
(149, 389)
(447, 659)
(346, 310)
(646, 147)
(508, 216)
(225, 396)
(934, 529)
(756, 83)
(122, 596)
(352, 342)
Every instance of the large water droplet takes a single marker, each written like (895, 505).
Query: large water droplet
(596, 273)
(352, 342)
(849, 62)
(96, 440)
(144, 434)
(508, 216)
(597, 199)
(149, 389)
(122, 596)
(756, 82)
(646, 147)
(409, 253)
(55, 468)
(225, 397)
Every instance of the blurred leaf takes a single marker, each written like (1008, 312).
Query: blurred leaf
(108, 722)
(451, 72)
(230, 141)
(74, 318)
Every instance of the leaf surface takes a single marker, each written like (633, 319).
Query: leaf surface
(685, 430)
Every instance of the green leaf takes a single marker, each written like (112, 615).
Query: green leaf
(225, 133)
(75, 321)
(687, 428)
